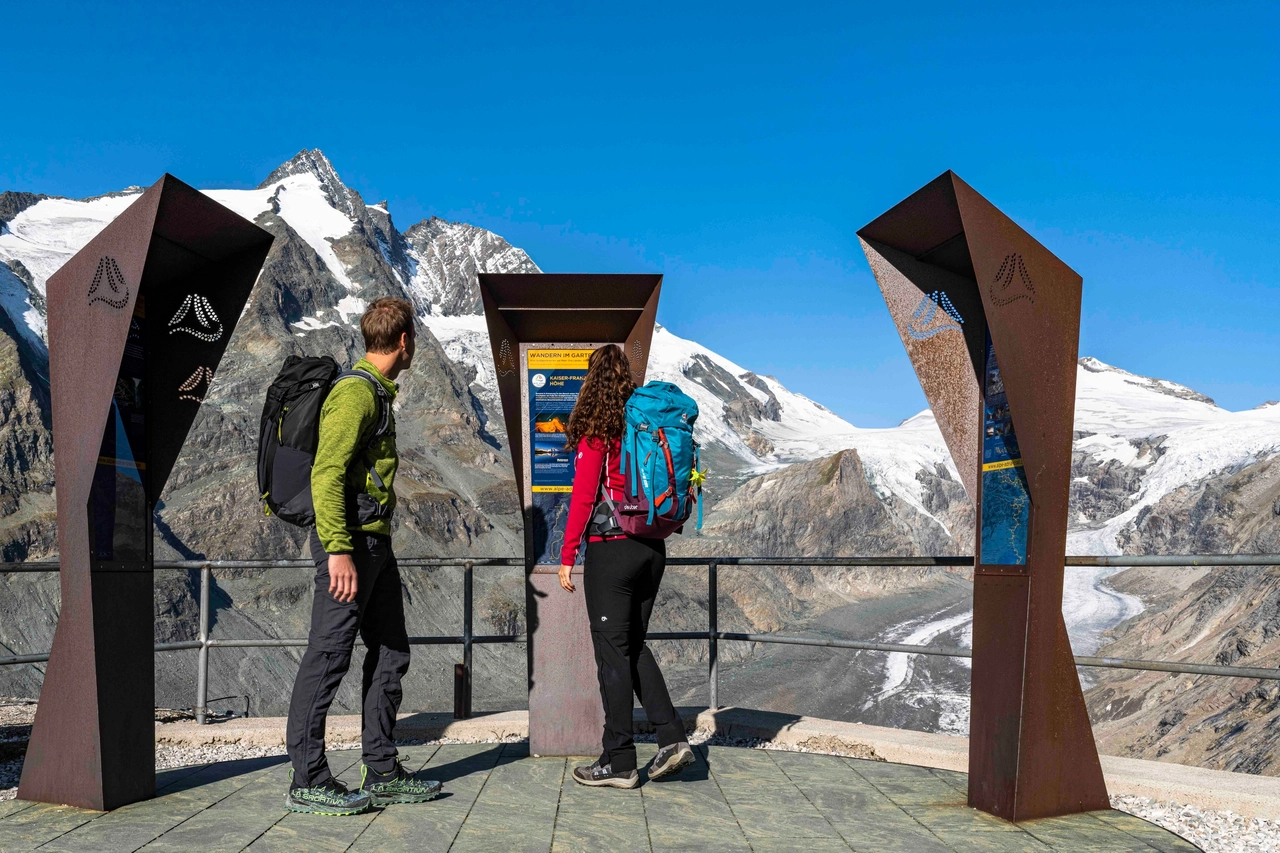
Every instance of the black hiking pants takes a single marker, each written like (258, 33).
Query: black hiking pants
(620, 580)
(378, 615)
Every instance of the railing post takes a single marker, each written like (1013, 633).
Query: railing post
(713, 641)
(202, 665)
(462, 679)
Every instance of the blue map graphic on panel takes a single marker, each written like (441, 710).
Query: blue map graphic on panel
(1006, 509)
(550, 514)
(1006, 501)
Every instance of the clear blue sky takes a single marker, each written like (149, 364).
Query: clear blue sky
(735, 148)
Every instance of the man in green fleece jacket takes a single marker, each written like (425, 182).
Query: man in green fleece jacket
(357, 582)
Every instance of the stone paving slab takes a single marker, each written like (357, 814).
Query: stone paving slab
(498, 799)
(1242, 793)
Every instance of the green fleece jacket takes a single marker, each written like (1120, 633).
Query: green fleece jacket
(340, 479)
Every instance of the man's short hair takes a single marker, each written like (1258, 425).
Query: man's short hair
(384, 321)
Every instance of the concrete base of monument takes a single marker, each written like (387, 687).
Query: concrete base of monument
(1251, 796)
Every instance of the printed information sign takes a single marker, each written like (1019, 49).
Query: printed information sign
(1006, 502)
(554, 378)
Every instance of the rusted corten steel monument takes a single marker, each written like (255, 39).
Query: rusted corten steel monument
(542, 327)
(991, 322)
(138, 321)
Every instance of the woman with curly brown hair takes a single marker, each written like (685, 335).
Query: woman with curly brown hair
(620, 580)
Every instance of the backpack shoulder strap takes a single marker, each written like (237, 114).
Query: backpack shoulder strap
(383, 426)
(379, 394)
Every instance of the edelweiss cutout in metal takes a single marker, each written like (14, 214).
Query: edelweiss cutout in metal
(541, 328)
(124, 394)
(991, 322)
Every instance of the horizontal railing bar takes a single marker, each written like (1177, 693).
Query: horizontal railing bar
(1174, 560)
(822, 561)
(272, 643)
(159, 647)
(678, 635)
(944, 651)
(863, 645)
(178, 647)
(1075, 562)
(17, 659)
(1176, 666)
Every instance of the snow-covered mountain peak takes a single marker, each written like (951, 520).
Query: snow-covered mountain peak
(1161, 386)
(445, 258)
(313, 162)
(1115, 402)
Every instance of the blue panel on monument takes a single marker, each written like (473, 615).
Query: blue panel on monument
(1006, 501)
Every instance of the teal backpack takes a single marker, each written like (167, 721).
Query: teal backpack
(659, 463)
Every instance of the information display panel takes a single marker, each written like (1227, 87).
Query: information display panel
(553, 377)
(1006, 501)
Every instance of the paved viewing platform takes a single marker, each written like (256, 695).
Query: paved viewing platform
(498, 798)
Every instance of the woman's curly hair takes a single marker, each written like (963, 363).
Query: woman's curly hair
(599, 410)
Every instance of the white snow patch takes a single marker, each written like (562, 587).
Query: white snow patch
(16, 302)
(351, 305)
(465, 340)
(305, 207)
(49, 232)
(899, 666)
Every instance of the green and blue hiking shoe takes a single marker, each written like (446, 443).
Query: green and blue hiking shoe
(329, 798)
(398, 786)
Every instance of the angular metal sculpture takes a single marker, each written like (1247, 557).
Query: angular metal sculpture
(138, 321)
(559, 312)
(991, 322)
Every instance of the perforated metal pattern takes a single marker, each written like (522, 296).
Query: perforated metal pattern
(116, 293)
(207, 326)
(191, 387)
(1012, 270)
(506, 364)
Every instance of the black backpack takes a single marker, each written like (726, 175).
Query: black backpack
(290, 430)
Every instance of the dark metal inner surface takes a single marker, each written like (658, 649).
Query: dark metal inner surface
(571, 291)
(922, 221)
(569, 325)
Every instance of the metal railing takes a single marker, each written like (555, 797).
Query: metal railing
(713, 635)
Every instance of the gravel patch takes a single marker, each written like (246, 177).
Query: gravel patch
(16, 716)
(1212, 831)
(17, 711)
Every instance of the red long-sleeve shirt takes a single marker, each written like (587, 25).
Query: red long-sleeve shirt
(594, 455)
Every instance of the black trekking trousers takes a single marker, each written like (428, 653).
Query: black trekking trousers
(620, 580)
(378, 615)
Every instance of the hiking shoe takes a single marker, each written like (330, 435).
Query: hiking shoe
(670, 760)
(329, 798)
(604, 777)
(400, 787)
